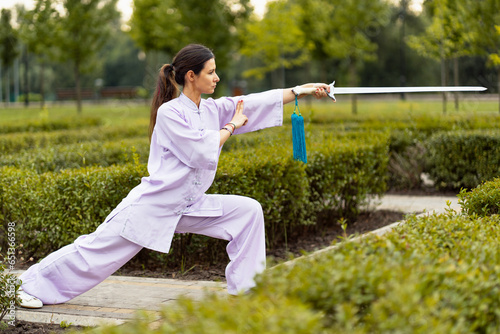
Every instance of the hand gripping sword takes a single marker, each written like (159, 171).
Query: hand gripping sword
(383, 90)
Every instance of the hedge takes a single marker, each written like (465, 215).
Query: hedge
(54, 158)
(17, 142)
(434, 274)
(463, 159)
(54, 208)
(343, 171)
(9, 285)
(484, 200)
(39, 125)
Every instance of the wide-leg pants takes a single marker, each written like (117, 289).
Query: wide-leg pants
(78, 267)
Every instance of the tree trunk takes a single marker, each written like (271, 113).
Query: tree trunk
(354, 106)
(7, 87)
(353, 83)
(78, 90)
(455, 76)
(26, 78)
(42, 86)
(1, 80)
(443, 83)
(15, 73)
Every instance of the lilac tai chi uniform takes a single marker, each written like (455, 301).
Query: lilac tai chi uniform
(183, 159)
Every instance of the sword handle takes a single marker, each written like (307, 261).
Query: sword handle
(303, 90)
(299, 90)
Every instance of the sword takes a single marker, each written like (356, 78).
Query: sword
(383, 90)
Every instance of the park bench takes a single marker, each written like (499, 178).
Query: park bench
(118, 92)
(70, 94)
(103, 93)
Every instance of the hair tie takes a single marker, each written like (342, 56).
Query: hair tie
(171, 67)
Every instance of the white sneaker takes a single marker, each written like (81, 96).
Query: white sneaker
(28, 301)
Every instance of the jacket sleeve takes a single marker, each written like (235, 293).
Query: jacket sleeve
(194, 148)
(263, 110)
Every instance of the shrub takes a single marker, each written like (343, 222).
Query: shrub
(463, 158)
(17, 142)
(435, 274)
(271, 176)
(58, 207)
(343, 172)
(43, 124)
(32, 97)
(217, 315)
(9, 285)
(52, 209)
(438, 274)
(482, 201)
(406, 167)
(54, 158)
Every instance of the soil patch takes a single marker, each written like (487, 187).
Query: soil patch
(36, 328)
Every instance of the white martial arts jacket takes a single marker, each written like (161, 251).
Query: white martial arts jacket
(182, 163)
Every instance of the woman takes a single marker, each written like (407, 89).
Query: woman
(186, 133)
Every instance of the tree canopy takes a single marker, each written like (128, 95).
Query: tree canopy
(356, 42)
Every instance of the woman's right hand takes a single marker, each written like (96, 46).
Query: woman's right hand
(239, 119)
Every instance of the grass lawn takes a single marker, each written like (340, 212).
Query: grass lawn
(323, 111)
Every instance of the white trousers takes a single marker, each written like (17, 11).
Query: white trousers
(78, 267)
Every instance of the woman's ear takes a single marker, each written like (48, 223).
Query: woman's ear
(190, 76)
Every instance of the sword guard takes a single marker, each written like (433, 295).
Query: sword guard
(331, 93)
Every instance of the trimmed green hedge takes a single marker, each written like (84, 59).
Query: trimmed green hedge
(54, 158)
(484, 200)
(39, 125)
(54, 208)
(17, 142)
(271, 176)
(434, 274)
(343, 171)
(463, 158)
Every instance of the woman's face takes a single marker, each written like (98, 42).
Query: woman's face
(207, 79)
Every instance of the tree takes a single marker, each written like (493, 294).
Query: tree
(9, 49)
(482, 24)
(156, 25)
(82, 30)
(445, 37)
(37, 31)
(167, 25)
(352, 23)
(276, 46)
(394, 63)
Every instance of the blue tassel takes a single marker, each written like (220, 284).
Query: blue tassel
(298, 135)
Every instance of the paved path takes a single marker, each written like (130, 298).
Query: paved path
(116, 299)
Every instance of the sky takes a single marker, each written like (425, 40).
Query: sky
(125, 6)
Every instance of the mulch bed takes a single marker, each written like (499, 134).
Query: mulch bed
(306, 243)
(36, 328)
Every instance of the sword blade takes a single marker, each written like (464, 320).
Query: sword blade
(424, 89)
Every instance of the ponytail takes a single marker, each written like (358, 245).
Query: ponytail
(191, 58)
(166, 90)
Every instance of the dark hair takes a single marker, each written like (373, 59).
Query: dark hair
(190, 58)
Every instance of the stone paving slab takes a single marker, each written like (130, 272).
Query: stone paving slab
(416, 204)
(116, 299)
